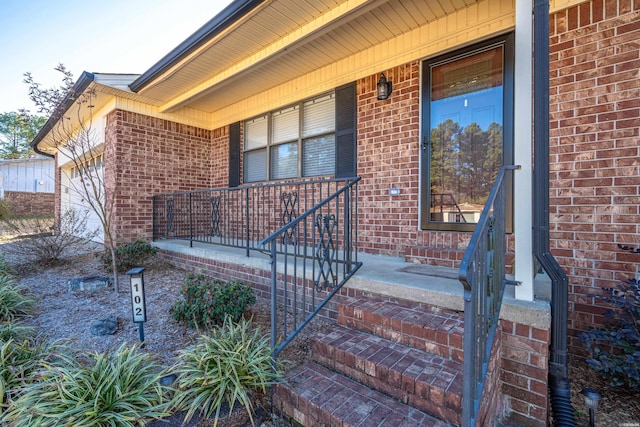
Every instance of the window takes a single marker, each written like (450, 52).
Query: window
(296, 141)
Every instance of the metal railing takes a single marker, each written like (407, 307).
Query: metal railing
(482, 273)
(239, 216)
(319, 254)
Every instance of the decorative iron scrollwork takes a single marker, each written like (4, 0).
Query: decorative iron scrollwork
(214, 203)
(170, 215)
(326, 252)
(288, 202)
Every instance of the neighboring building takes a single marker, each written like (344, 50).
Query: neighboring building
(28, 185)
(279, 91)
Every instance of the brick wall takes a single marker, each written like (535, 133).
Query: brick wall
(389, 156)
(595, 122)
(29, 203)
(148, 156)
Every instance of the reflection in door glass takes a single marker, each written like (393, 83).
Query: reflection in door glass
(466, 118)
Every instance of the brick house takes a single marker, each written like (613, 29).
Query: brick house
(271, 93)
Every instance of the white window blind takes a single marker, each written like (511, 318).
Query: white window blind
(284, 161)
(319, 156)
(285, 125)
(256, 133)
(255, 165)
(319, 116)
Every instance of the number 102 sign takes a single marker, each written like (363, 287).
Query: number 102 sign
(138, 305)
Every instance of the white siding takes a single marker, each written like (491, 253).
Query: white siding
(27, 175)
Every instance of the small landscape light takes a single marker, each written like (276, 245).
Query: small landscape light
(591, 399)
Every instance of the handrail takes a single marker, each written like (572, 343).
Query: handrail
(482, 273)
(236, 216)
(311, 258)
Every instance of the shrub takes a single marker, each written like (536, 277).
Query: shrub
(5, 210)
(207, 302)
(113, 389)
(129, 255)
(13, 300)
(615, 348)
(46, 241)
(227, 366)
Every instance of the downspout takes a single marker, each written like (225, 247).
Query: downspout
(558, 372)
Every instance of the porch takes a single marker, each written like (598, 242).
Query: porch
(411, 312)
(381, 275)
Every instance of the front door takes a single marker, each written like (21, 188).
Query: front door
(466, 132)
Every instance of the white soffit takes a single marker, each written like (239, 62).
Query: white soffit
(282, 40)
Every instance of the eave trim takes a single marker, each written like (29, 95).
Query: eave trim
(72, 96)
(229, 15)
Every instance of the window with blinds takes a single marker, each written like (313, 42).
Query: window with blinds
(295, 141)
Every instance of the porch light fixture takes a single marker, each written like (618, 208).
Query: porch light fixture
(384, 88)
(591, 399)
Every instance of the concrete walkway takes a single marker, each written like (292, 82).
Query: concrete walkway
(393, 277)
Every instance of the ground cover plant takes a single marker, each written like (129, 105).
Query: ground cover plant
(227, 365)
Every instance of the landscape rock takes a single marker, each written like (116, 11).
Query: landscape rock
(106, 326)
(91, 283)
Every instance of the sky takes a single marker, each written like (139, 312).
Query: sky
(109, 36)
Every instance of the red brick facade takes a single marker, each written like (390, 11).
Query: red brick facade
(146, 156)
(29, 203)
(595, 131)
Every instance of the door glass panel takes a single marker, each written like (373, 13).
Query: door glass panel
(466, 130)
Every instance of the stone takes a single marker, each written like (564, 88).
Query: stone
(106, 326)
(91, 283)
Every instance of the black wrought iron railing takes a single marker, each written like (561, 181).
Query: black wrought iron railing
(482, 273)
(238, 217)
(312, 256)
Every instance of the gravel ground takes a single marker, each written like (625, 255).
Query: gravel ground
(65, 314)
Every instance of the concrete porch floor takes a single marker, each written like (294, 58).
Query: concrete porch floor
(393, 277)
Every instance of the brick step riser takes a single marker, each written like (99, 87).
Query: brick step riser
(426, 382)
(334, 400)
(407, 326)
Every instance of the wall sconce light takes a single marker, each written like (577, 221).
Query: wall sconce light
(591, 399)
(384, 88)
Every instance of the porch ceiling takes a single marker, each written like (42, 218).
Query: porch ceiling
(282, 40)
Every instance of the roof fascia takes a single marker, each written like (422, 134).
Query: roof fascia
(229, 15)
(72, 96)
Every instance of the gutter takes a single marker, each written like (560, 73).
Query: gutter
(558, 370)
(229, 16)
(72, 96)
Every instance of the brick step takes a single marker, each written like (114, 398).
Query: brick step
(425, 381)
(315, 396)
(432, 329)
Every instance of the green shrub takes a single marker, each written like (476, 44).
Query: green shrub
(13, 300)
(121, 388)
(614, 350)
(227, 366)
(129, 255)
(207, 302)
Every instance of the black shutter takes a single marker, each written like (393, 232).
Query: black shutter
(234, 154)
(346, 143)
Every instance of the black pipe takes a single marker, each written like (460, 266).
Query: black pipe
(558, 372)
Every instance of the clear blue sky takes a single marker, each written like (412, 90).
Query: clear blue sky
(110, 36)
